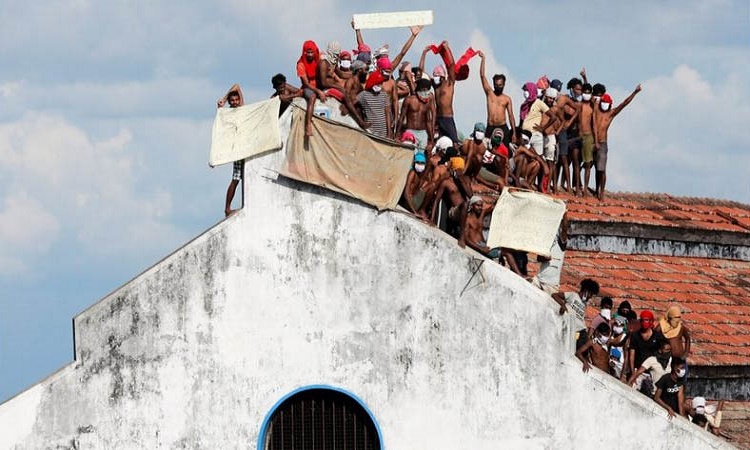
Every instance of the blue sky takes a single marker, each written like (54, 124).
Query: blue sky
(106, 111)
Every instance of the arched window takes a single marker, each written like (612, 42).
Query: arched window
(319, 417)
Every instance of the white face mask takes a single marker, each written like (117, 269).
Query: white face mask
(618, 329)
(377, 88)
(525, 94)
(607, 314)
(419, 167)
(605, 106)
(539, 93)
(602, 339)
(586, 97)
(680, 373)
(345, 64)
(436, 80)
(479, 135)
(700, 410)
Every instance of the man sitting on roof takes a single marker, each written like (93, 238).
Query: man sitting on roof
(235, 99)
(418, 115)
(473, 233)
(419, 187)
(285, 91)
(333, 84)
(307, 70)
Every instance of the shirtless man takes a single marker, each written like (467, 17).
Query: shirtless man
(444, 82)
(335, 86)
(596, 351)
(586, 128)
(449, 187)
(603, 116)
(549, 127)
(419, 187)
(499, 105)
(418, 115)
(473, 233)
(479, 155)
(356, 83)
(285, 91)
(344, 68)
(675, 330)
(567, 139)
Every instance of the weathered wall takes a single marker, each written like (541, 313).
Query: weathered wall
(305, 287)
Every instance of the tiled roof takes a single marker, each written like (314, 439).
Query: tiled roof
(735, 423)
(714, 295)
(662, 210)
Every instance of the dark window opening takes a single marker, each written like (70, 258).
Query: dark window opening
(321, 419)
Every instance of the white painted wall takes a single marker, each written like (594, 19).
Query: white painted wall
(304, 286)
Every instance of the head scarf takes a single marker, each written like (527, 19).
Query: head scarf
(542, 82)
(375, 78)
(332, 52)
(384, 63)
(526, 105)
(311, 68)
(671, 323)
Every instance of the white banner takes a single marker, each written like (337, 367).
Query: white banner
(245, 131)
(392, 20)
(525, 220)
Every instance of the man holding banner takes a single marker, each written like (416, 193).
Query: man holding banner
(235, 99)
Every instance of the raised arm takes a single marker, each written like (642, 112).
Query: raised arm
(511, 118)
(358, 33)
(485, 84)
(627, 101)
(414, 32)
(421, 60)
(223, 100)
(450, 62)
(583, 75)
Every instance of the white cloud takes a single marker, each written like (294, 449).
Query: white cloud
(26, 228)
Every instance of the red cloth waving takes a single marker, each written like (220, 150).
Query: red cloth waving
(462, 65)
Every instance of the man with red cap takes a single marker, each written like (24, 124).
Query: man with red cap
(374, 103)
(307, 70)
(603, 116)
(645, 342)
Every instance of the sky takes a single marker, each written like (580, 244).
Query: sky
(106, 111)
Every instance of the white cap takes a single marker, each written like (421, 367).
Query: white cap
(550, 92)
(699, 401)
(443, 143)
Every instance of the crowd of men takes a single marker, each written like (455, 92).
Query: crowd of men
(645, 352)
(453, 182)
(533, 148)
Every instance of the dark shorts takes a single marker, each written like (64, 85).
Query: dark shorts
(237, 170)
(601, 157)
(574, 139)
(506, 132)
(447, 127)
(309, 93)
(562, 143)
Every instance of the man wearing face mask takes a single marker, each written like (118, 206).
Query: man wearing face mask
(569, 142)
(499, 105)
(674, 329)
(419, 187)
(596, 351)
(605, 314)
(344, 68)
(603, 116)
(618, 345)
(652, 369)
(418, 115)
(479, 156)
(374, 103)
(444, 83)
(586, 128)
(645, 342)
(670, 390)
(577, 300)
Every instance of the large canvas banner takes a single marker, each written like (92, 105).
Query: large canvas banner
(245, 131)
(525, 220)
(346, 160)
(392, 19)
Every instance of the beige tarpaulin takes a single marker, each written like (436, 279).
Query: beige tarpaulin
(524, 220)
(245, 131)
(348, 161)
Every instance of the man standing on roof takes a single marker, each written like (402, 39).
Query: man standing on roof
(586, 127)
(645, 342)
(418, 115)
(374, 103)
(235, 99)
(444, 82)
(670, 392)
(603, 116)
(674, 329)
(499, 105)
(596, 350)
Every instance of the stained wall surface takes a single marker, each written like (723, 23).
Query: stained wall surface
(307, 287)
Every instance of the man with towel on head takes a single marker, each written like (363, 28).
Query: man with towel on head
(307, 70)
(672, 327)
